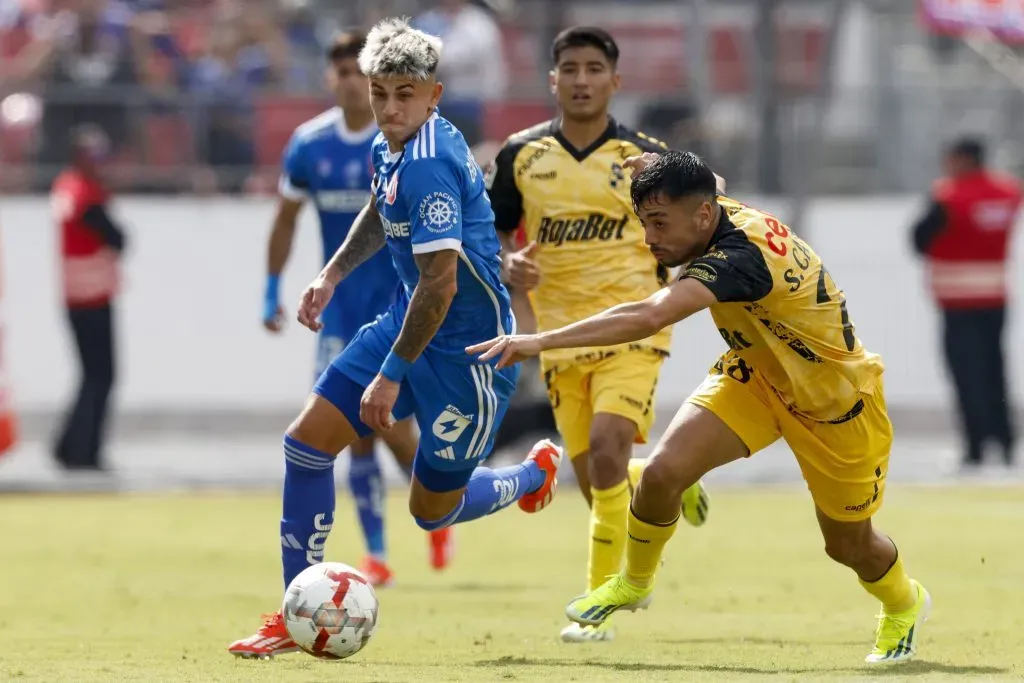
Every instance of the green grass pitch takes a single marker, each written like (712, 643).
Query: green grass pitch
(153, 588)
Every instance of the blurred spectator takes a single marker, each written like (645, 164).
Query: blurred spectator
(91, 245)
(473, 68)
(964, 236)
(245, 52)
(675, 123)
(85, 58)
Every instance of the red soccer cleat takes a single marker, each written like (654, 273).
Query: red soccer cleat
(270, 640)
(377, 572)
(547, 456)
(442, 547)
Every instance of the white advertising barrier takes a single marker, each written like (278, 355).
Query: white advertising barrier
(189, 336)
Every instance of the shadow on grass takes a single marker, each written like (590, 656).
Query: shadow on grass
(910, 668)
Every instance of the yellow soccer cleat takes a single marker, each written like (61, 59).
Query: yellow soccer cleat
(896, 638)
(696, 504)
(614, 594)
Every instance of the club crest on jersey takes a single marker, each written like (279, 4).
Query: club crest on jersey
(324, 168)
(617, 175)
(391, 191)
(439, 212)
(450, 424)
(353, 173)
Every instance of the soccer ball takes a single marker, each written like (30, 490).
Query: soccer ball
(330, 610)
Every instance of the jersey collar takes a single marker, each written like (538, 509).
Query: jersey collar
(581, 154)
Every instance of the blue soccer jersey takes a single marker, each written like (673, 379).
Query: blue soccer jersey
(431, 197)
(330, 165)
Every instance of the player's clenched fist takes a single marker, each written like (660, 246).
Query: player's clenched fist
(314, 300)
(521, 270)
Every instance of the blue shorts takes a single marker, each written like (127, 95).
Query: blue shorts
(356, 302)
(458, 404)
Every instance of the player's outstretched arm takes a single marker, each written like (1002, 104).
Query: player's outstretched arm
(617, 325)
(364, 240)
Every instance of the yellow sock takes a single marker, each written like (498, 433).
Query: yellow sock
(636, 468)
(607, 532)
(644, 545)
(894, 589)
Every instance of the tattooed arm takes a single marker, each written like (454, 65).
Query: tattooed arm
(364, 240)
(429, 304)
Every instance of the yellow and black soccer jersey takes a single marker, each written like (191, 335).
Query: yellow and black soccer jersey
(780, 311)
(575, 205)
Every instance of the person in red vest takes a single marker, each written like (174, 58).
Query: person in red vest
(964, 237)
(91, 246)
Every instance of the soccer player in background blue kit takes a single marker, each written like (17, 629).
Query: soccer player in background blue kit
(430, 208)
(328, 162)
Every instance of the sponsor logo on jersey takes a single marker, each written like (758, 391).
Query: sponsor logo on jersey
(539, 150)
(549, 175)
(595, 227)
(450, 424)
(342, 201)
(702, 272)
(439, 212)
(394, 230)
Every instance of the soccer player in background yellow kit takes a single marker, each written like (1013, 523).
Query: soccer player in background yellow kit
(795, 369)
(564, 180)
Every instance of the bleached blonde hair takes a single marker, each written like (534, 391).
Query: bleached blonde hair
(395, 49)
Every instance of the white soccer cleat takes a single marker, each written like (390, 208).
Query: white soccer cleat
(578, 633)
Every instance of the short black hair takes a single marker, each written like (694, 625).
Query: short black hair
(585, 36)
(972, 148)
(674, 175)
(347, 44)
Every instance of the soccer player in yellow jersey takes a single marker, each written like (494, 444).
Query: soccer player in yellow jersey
(795, 369)
(564, 181)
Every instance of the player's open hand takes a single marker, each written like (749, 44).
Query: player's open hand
(314, 300)
(377, 403)
(509, 349)
(521, 270)
(640, 161)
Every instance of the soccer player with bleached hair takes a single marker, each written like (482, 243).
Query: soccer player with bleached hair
(430, 209)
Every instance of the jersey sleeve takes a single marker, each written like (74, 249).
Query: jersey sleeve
(734, 270)
(506, 201)
(431, 191)
(294, 183)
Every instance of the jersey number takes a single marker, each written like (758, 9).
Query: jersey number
(824, 298)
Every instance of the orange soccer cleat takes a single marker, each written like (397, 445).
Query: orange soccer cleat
(547, 456)
(442, 547)
(270, 640)
(377, 572)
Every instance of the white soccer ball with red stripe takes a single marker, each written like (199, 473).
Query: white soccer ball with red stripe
(330, 610)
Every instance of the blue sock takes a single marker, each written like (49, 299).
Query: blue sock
(368, 491)
(308, 509)
(489, 491)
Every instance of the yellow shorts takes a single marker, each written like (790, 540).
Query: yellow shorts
(620, 384)
(844, 462)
